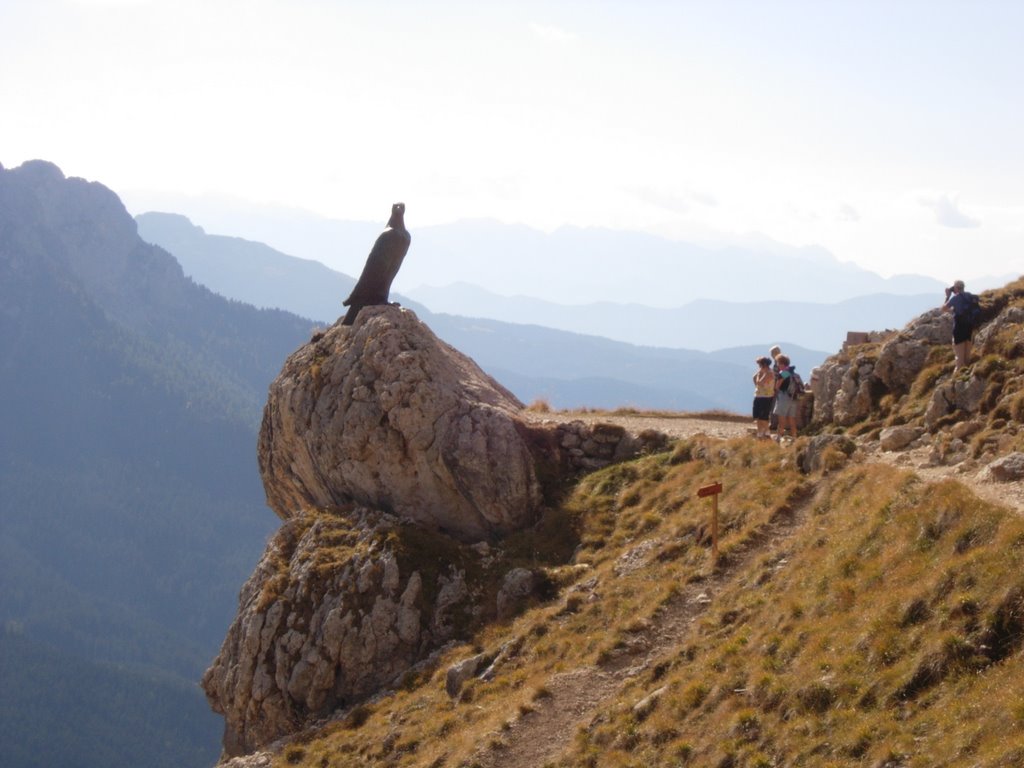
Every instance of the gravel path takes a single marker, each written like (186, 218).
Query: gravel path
(970, 473)
(673, 425)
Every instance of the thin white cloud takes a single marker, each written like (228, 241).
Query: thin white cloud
(847, 213)
(672, 201)
(948, 214)
(112, 3)
(552, 33)
(704, 199)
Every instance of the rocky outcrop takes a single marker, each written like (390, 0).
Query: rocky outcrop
(1010, 318)
(958, 394)
(386, 415)
(394, 461)
(901, 393)
(338, 608)
(847, 386)
(842, 390)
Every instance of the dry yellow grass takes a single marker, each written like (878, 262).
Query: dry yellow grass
(885, 629)
(856, 618)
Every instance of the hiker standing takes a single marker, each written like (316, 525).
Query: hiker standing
(785, 399)
(964, 307)
(773, 353)
(764, 395)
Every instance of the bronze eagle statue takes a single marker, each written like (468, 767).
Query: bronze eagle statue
(382, 265)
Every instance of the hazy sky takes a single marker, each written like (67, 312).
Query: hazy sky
(890, 132)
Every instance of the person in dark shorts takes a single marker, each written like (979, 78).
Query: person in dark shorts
(961, 303)
(764, 395)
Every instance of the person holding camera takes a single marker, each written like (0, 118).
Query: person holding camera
(964, 307)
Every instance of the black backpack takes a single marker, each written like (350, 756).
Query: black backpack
(973, 313)
(793, 385)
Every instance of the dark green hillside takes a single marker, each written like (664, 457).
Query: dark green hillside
(96, 714)
(131, 509)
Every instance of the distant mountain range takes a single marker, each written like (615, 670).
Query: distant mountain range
(585, 266)
(568, 266)
(705, 324)
(566, 369)
(807, 317)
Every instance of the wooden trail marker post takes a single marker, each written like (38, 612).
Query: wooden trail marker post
(712, 490)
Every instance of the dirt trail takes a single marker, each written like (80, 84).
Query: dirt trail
(970, 473)
(541, 736)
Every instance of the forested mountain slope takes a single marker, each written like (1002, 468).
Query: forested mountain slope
(131, 506)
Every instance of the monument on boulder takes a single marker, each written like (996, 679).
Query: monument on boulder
(388, 416)
(381, 266)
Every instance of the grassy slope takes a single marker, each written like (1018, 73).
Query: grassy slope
(882, 628)
(857, 617)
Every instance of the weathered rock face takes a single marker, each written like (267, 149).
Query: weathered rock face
(1009, 318)
(386, 415)
(963, 395)
(845, 389)
(842, 390)
(336, 610)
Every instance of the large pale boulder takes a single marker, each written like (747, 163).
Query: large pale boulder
(385, 414)
(933, 327)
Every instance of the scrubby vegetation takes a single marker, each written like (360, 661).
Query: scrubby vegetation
(853, 618)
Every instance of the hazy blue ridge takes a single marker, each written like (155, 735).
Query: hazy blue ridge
(131, 508)
(599, 264)
(634, 267)
(248, 271)
(703, 324)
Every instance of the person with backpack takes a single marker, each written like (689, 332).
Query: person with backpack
(773, 420)
(965, 309)
(789, 387)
